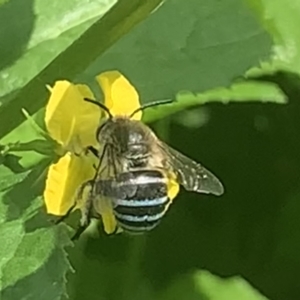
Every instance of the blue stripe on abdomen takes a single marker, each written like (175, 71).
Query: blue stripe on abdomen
(140, 218)
(142, 202)
(143, 218)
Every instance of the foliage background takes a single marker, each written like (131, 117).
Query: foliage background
(245, 135)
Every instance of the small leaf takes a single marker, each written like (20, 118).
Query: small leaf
(39, 146)
(216, 288)
(35, 126)
(202, 285)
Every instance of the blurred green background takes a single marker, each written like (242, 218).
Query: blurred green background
(221, 61)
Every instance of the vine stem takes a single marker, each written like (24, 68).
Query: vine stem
(132, 271)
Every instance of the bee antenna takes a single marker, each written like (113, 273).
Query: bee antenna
(101, 105)
(151, 104)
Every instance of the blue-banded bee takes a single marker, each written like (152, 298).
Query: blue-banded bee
(134, 172)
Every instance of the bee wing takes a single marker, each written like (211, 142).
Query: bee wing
(190, 174)
(109, 167)
(110, 176)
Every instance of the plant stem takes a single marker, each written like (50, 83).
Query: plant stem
(132, 271)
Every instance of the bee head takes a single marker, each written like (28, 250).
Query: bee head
(121, 130)
(111, 118)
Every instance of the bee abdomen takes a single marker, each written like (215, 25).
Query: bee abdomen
(145, 202)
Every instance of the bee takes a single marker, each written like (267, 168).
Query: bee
(134, 171)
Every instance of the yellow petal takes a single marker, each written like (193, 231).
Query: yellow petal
(69, 119)
(173, 187)
(104, 207)
(64, 178)
(120, 96)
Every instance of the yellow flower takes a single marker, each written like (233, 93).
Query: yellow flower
(72, 123)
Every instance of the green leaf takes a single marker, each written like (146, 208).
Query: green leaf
(33, 261)
(238, 92)
(216, 288)
(40, 146)
(206, 45)
(25, 141)
(202, 285)
(56, 46)
(281, 19)
(3, 1)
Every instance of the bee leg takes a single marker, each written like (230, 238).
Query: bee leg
(79, 195)
(84, 223)
(86, 209)
(79, 231)
(93, 150)
(118, 230)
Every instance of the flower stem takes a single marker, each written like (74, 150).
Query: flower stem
(132, 271)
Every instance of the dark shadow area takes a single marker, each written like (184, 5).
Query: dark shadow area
(255, 150)
(12, 162)
(38, 220)
(16, 23)
(104, 257)
(20, 196)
